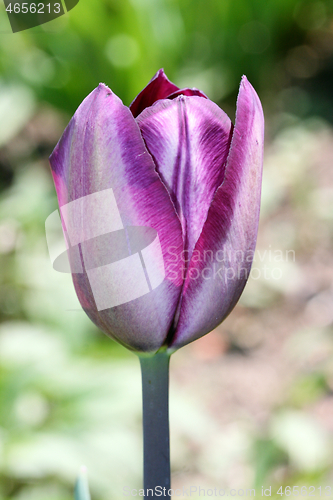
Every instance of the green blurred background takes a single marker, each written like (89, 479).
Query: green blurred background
(252, 402)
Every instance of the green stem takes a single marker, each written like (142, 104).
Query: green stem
(155, 404)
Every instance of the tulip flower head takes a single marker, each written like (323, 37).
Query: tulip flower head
(159, 204)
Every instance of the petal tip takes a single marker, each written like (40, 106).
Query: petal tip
(159, 87)
(248, 94)
(159, 74)
(105, 88)
(245, 84)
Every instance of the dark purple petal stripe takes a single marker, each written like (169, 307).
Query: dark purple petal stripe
(188, 138)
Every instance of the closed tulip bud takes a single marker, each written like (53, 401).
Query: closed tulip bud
(159, 204)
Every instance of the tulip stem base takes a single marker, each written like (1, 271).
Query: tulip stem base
(155, 407)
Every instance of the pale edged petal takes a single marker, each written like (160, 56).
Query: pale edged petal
(189, 139)
(102, 154)
(188, 92)
(159, 87)
(223, 255)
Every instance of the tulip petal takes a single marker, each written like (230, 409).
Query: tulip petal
(108, 190)
(159, 87)
(187, 92)
(189, 139)
(223, 255)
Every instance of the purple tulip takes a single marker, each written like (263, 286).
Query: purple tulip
(173, 166)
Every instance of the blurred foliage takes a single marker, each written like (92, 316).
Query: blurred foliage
(207, 44)
(251, 403)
